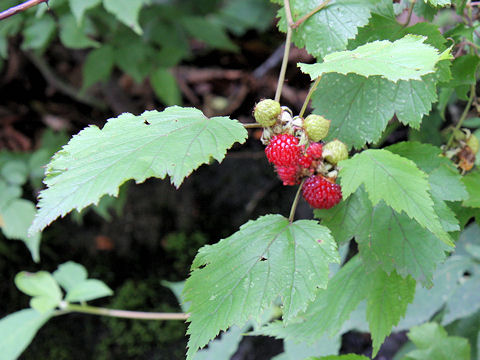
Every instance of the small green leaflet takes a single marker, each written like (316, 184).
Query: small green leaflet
(329, 29)
(267, 258)
(45, 292)
(397, 181)
(405, 59)
(360, 108)
(126, 11)
(17, 331)
(80, 7)
(472, 183)
(97, 161)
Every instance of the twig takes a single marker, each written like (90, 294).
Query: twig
(288, 41)
(21, 7)
(464, 114)
(252, 126)
(295, 202)
(60, 85)
(410, 12)
(305, 17)
(93, 310)
(309, 95)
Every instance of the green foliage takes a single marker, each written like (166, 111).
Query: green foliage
(405, 59)
(132, 147)
(42, 287)
(433, 342)
(266, 258)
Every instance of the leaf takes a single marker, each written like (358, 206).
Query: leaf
(45, 292)
(223, 347)
(386, 303)
(96, 162)
(18, 329)
(126, 11)
(98, 65)
(266, 258)
(165, 86)
(80, 7)
(16, 217)
(472, 184)
(74, 36)
(69, 274)
(299, 350)
(360, 107)
(15, 172)
(329, 29)
(397, 243)
(87, 290)
(395, 180)
(38, 33)
(439, 3)
(405, 59)
(434, 343)
(340, 357)
(209, 31)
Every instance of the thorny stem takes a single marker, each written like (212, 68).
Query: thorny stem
(252, 126)
(311, 13)
(295, 203)
(464, 114)
(309, 95)
(93, 310)
(410, 12)
(21, 7)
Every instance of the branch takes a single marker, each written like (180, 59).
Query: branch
(21, 7)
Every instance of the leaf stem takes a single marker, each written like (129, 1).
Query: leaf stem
(464, 114)
(19, 8)
(93, 310)
(252, 126)
(410, 12)
(295, 202)
(305, 17)
(286, 52)
(309, 95)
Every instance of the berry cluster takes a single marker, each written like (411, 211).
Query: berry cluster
(294, 147)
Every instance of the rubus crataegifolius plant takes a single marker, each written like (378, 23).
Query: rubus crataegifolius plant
(403, 199)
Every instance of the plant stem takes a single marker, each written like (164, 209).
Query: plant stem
(295, 202)
(410, 12)
(309, 95)
(19, 8)
(93, 310)
(305, 17)
(464, 114)
(286, 52)
(252, 126)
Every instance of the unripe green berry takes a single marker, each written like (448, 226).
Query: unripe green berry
(335, 151)
(316, 127)
(266, 112)
(473, 143)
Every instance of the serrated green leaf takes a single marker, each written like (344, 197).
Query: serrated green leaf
(126, 11)
(397, 243)
(439, 3)
(69, 274)
(18, 329)
(80, 7)
(472, 184)
(16, 217)
(446, 215)
(425, 10)
(360, 107)
(45, 292)
(434, 343)
(74, 36)
(98, 65)
(446, 184)
(87, 290)
(96, 162)
(426, 156)
(386, 303)
(395, 180)
(329, 29)
(405, 59)
(295, 350)
(340, 357)
(266, 258)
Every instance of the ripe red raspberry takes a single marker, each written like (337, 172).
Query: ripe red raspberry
(321, 193)
(288, 174)
(283, 150)
(315, 151)
(305, 161)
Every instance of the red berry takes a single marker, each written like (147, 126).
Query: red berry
(283, 150)
(305, 161)
(315, 151)
(288, 174)
(321, 193)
